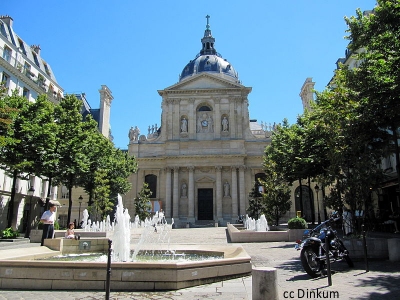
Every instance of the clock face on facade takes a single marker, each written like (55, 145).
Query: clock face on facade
(204, 123)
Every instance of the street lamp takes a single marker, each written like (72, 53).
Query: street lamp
(80, 203)
(259, 199)
(316, 191)
(31, 191)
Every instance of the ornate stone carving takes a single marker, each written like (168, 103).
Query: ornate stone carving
(205, 123)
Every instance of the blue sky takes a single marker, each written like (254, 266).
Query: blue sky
(139, 47)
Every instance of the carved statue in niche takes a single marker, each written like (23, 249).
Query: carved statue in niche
(184, 125)
(226, 189)
(225, 124)
(184, 190)
(205, 123)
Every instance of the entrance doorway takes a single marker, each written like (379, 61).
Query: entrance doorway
(205, 204)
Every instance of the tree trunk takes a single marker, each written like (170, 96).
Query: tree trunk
(69, 204)
(301, 198)
(312, 206)
(397, 153)
(48, 193)
(10, 212)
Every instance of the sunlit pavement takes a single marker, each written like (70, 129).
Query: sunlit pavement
(381, 282)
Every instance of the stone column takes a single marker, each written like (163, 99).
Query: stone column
(168, 194)
(219, 192)
(191, 194)
(242, 192)
(175, 195)
(234, 194)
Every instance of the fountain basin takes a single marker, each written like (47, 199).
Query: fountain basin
(249, 236)
(18, 270)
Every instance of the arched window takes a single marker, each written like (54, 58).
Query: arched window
(151, 180)
(204, 108)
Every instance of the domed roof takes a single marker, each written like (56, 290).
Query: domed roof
(209, 60)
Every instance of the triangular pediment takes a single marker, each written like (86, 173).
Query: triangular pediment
(205, 179)
(204, 81)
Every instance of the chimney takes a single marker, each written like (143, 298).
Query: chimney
(36, 48)
(7, 19)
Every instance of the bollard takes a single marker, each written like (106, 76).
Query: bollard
(108, 270)
(365, 248)
(328, 260)
(264, 284)
(394, 249)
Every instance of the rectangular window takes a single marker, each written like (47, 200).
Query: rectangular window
(46, 68)
(21, 46)
(3, 29)
(36, 59)
(26, 93)
(7, 53)
(5, 80)
(27, 70)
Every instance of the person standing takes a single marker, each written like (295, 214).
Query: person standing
(48, 219)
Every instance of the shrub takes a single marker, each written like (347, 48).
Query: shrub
(297, 223)
(9, 233)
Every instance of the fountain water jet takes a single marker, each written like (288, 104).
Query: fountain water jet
(122, 233)
(256, 225)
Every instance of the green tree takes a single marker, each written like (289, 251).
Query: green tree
(121, 166)
(73, 136)
(255, 203)
(42, 140)
(102, 205)
(142, 203)
(15, 154)
(374, 42)
(276, 194)
(7, 115)
(98, 152)
(357, 148)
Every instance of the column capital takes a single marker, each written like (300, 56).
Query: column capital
(190, 168)
(242, 167)
(218, 168)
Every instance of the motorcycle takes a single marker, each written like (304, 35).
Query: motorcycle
(313, 248)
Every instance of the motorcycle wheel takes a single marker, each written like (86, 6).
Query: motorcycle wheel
(346, 257)
(309, 262)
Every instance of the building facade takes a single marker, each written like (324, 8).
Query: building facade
(202, 162)
(22, 68)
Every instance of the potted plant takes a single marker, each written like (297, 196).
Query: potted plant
(9, 233)
(296, 228)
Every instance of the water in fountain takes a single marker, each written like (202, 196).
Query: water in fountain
(85, 218)
(122, 233)
(256, 225)
(155, 233)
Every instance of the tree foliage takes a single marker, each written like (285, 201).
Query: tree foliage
(74, 137)
(142, 203)
(276, 195)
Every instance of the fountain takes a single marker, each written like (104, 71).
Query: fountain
(20, 270)
(122, 233)
(259, 231)
(256, 225)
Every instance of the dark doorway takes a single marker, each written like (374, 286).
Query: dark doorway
(205, 204)
(307, 203)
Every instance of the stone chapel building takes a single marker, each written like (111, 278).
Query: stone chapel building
(203, 161)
